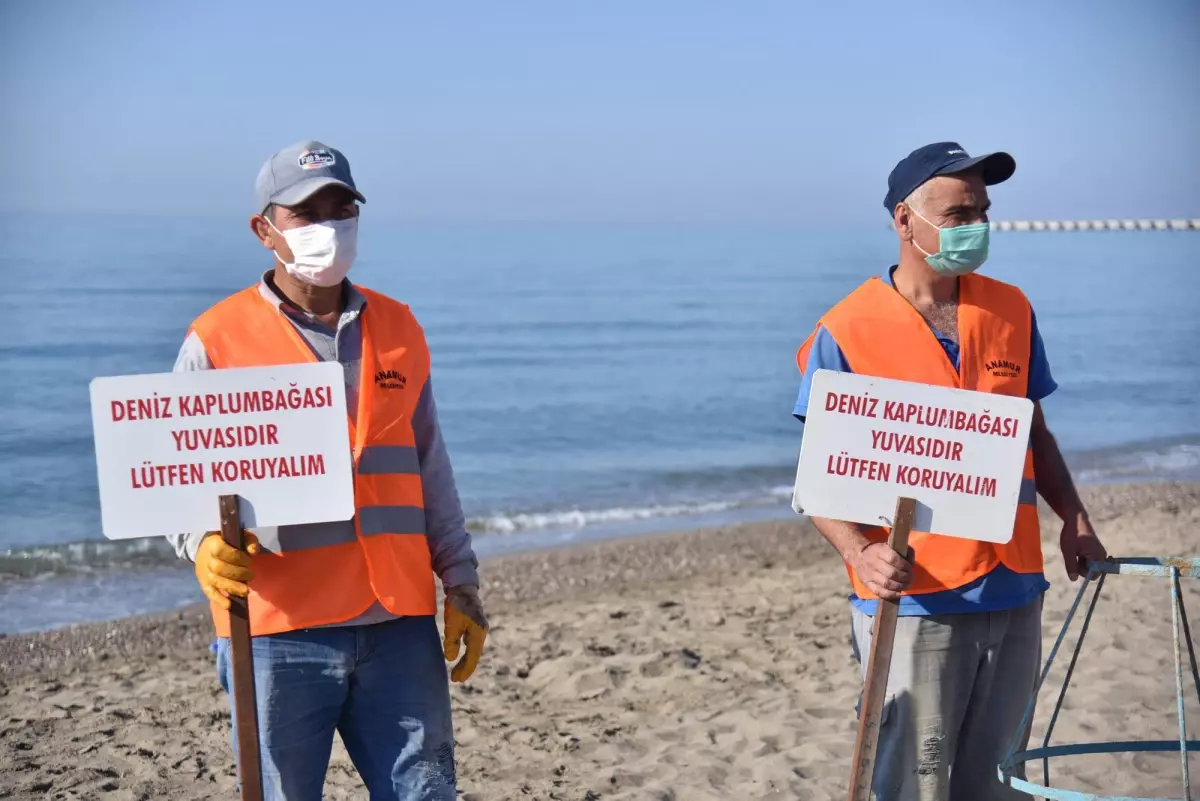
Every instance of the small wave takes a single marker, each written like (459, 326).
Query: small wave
(1169, 460)
(87, 556)
(574, 519)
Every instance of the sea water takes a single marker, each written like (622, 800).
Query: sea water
(592, 380)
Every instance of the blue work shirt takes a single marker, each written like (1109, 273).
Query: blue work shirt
(995, 591)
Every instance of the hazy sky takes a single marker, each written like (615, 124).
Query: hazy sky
(640, 110)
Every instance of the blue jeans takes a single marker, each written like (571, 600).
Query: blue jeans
(382, 687)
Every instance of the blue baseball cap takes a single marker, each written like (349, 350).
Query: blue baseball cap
(296, 173)
(943, 158)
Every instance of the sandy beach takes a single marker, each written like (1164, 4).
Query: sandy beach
(712, 664)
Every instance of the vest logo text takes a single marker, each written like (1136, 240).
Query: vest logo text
(1003, 368)
(390, 379)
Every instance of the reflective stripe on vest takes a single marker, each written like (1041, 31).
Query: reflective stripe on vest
(881, 334)
(326, 573)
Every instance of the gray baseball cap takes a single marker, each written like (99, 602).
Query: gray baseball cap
(296, 173)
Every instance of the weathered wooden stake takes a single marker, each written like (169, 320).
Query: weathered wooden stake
(866, 744)
(245, 711)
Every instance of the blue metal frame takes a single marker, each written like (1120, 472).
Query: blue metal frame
(1161, 567)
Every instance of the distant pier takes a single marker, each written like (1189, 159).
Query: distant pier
(1096, 225)
(1092, 225)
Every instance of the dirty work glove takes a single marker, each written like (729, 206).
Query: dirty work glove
(464, 620)
(223, 571)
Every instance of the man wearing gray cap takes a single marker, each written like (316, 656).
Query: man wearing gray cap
(342, 613)
(968, 640)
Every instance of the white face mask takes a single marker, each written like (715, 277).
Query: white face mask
(323, 252)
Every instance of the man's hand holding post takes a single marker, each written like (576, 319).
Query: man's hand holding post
(223, 570)
(884, 571)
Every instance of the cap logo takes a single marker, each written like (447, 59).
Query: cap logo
(316, 159)
(959, 152)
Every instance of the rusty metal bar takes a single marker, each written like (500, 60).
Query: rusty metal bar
(879, 663)
(241, 655)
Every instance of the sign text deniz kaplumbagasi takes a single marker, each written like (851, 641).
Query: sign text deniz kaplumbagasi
(169, 445)
(877, 467)
(189, 439)
(869, 441)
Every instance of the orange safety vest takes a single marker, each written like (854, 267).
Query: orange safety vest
(881, 334)
(324, 583)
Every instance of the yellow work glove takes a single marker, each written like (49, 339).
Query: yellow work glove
(222, 570)
(464, 620)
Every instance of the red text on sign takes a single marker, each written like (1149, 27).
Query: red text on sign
(155, 408)
(269, 467)
(956, 419)
(946, 480)
(149, 476)
(265, 400)
(932, 447)
(853, 467)
(846, 403)
(259, 400)
(192, 439)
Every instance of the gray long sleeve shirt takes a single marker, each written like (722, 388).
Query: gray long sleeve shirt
(449, 543)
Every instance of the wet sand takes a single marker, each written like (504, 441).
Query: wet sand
(712, 664)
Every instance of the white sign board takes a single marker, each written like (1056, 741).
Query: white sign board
(169, 445)
(869, 441)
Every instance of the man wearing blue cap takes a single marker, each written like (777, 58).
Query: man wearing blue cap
(342, 613)
(968, 640)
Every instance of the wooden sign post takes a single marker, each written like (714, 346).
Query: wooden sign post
(267, 444)
(879, 664)
(241, 657)
(953, 457)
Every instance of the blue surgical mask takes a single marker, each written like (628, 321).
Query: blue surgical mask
(961, 250)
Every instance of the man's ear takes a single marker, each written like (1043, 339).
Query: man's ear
(902, 220)
(262, 230)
